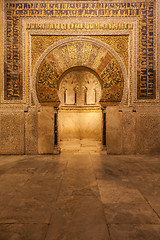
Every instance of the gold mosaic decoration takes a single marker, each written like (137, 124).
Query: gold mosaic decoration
(79, 53)
(47, 78)
(112, 82)
(144, 12)
(119, 44)
(41, 43)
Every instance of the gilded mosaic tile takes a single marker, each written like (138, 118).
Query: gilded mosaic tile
(107, 68)
(47, 78)
(119, 44)
(39, 44)
(113, 82)
(143, 12)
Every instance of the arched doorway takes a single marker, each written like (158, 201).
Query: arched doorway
(80, 114)
(61, 59)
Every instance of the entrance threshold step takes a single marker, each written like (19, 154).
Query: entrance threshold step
(84, 145)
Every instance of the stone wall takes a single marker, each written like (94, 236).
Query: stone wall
(148, 130)
(31, 131)
(128, 130)
(116, 40)
(11, 132)
(133, 130)
(114, 130)
(46, 130)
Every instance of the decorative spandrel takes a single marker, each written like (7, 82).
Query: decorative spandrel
(47, 83)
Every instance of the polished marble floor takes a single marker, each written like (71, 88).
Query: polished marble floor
(80, 196)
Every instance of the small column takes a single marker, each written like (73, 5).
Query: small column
(104, 127)
(56, 148)
(55, 129)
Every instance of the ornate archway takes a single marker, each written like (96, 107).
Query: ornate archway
(84, 53)
(79, 51)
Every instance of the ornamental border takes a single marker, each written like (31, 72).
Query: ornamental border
(156, 30)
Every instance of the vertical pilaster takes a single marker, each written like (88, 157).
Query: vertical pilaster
(104, 127)
(56, 148)
(56, 128)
